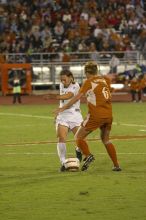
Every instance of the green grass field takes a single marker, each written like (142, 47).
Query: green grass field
(32, 188)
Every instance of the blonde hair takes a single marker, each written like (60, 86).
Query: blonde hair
(91, 67)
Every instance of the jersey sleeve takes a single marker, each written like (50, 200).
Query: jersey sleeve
(74, 88)
(85, 87)
(108, 81)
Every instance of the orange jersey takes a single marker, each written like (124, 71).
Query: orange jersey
(135, 85)
(98, 95)
(143, 83)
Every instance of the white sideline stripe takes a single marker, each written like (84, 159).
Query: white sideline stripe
(130, 125)
(46, 153)
(18, 126)
(24, 125)
(54, 142)
(142, 130)
(48, 117)
(26, 115)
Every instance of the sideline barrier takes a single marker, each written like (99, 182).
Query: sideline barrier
(9, 70)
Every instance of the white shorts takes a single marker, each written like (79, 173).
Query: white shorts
(69, 120)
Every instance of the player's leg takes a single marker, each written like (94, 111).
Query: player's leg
(80, 136)
(105, 132)
(77, 149)
(139, 93)
(62, 132)
(82, 144)
(133, 94)
(14, 98)
(19, 97)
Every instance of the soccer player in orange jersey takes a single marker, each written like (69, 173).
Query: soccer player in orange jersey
(96, 88)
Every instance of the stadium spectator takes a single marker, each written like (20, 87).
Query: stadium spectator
(114, 62)
(58, 19)
(16, 90)
(66, 18)
(97, 30)
(70, 119)
(143, 83)
(65, 59)
(59, 31)
(96, 88)
(83, 27)
(94, 54)
(135, 89)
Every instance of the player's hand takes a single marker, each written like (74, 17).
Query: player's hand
(50, 96)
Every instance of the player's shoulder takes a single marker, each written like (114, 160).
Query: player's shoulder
(107, 79)
(74, 85)
(101, 80)
(77, 85)
(97, 78)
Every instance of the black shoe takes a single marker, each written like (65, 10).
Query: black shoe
(85, 159)
(116, 169)
(62, 168)
(87, 162)
(79, 155)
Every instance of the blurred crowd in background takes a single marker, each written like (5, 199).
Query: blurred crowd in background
(68, 26)
(74, 25)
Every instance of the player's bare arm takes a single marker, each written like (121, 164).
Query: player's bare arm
(51, 95)
(69, 104)
(57, 96)
(65, 96)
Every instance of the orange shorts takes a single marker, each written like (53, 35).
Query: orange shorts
(91, 123)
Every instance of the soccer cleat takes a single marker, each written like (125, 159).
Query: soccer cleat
(116, 169)
(79, 155)
(84, 158)
(62, 168)
(87, 162)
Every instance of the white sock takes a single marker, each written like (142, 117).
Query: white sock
(61, 149)
(77, 149)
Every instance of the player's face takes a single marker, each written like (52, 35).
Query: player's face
(66, 80)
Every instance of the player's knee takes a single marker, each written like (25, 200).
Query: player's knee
(62, 139)
(105, 141)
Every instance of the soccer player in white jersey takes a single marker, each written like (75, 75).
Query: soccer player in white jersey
(71, 118)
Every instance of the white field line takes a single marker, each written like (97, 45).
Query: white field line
(49, 117)
(24, 125)
(29, 144)
(143, 130)
(129, 125)
(26, 115)
(18, 126)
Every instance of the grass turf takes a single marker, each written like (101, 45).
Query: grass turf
(32, 188)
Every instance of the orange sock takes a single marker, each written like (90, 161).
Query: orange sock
(82, 144)
(112, 153)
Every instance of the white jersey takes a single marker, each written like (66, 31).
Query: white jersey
(73, 88)
(70, 117)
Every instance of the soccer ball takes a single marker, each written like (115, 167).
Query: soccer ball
(72, 164)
